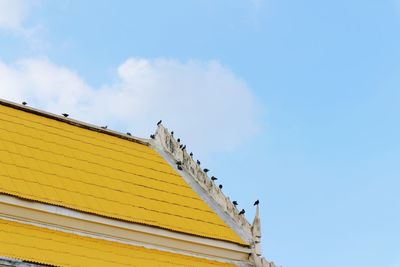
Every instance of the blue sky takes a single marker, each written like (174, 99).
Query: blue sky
(300, 108)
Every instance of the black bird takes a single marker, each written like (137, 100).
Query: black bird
(179, 167)
(184, 147)
(104, 127)
(180, 146)
(152, 136)
(242, 212)
(158, 123)
(220, 186)
(256, 203)
(206, 170)
(128, 133)
(172, 133)
(65, 115)
(24, 103)
(178, 140)
(213, 178)
(235, 203)
(198, 162)
(191, 154)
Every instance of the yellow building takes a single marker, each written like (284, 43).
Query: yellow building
(74, 194)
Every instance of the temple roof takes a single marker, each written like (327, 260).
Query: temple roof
(55, 162)
(26, 242)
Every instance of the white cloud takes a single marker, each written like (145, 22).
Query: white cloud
(205, 103)
(13, 14)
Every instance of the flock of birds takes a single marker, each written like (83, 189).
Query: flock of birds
(179, 163)
(213, 178)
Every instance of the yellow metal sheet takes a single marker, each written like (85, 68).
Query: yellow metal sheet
(45, 246)
(57, 163)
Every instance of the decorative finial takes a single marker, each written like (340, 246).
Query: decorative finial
(256, 230)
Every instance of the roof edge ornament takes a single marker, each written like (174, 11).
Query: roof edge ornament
(256, 232)
(169, 144)
(256, 257)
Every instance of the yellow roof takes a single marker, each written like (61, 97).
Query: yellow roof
(51, 161)
(45, 246)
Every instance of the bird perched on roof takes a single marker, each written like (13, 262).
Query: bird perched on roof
(191, 154)
(256, 203)
(184, 147)
(206, 170)
(104, 127)
(220, 186)
(152, 136)
(235, 203)
(178, 140)
(65, 115)
(158, 123)
(128, 133)
(213, 178)
(198, 162)
(24, 103)
(172, 133)
(242, 212)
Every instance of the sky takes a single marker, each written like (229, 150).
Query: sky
(296, 103)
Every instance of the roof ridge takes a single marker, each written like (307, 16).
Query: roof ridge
(73, 122)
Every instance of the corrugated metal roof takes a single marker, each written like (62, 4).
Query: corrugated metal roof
(57, 163)
(45, 246)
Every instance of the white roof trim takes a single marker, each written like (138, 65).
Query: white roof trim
(67, 220)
